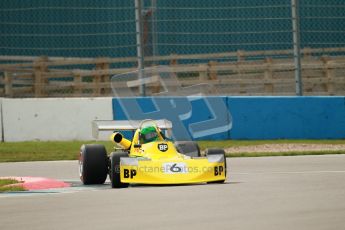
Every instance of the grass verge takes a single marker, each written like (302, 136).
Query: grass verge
(292, 153)
(5, 188)
(69, 150)
(238, 143)
(43, 151)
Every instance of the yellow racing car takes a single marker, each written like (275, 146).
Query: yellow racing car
(150, 158)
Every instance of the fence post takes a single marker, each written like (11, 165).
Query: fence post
(268, 76)
(173, 60)
(39, 79)
(296, 46)
(306, 72)
(240, 55)
(77, 85)
(8, 84)
(102, 64)
(140, 44)
(307, 53)
(329, 74)
(240, 59)
(156, 87)
(212, 70)
(202, 73)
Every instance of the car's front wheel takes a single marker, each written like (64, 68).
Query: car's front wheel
(188, 148)
(93, 164)
(114, 169)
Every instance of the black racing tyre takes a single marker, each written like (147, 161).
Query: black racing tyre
(217, 151)
(188, 148)
(93, 164)
(114, 169)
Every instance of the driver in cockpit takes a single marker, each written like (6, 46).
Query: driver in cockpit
(149, 134)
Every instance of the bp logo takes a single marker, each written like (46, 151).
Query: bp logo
(163, 147)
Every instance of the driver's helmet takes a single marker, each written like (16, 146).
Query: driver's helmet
(148, 134)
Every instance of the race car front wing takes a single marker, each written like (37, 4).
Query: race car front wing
(173, 171)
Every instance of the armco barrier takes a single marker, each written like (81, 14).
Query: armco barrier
(53, 118)
(254, 117)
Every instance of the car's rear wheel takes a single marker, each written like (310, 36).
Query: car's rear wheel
(217, 151)
(188, 148)
(115, 172)
(93, 164)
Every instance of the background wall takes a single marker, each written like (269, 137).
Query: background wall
(252, 117)
(260, 117)
(1, 120)
(53, 118)
(287, 117)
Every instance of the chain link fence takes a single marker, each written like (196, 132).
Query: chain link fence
(242, 47)
(67, 28)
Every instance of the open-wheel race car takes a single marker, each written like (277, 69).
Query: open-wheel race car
(149, 158)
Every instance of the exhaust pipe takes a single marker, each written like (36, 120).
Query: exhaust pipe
(120, 140)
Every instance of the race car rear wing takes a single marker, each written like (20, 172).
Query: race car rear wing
(124, 125)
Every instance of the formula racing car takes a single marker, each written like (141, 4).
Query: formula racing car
(149, 158)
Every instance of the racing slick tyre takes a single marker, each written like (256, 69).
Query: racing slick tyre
(188, 148)
(217, 151)
(114, 169)
(93, 164)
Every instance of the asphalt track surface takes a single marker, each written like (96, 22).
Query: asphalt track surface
(304, 192)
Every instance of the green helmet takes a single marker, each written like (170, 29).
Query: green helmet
(149, 134)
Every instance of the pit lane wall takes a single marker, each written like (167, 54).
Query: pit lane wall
(244, 118)
(250, 117)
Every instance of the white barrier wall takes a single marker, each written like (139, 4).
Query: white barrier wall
(53, 118)
(1, 139)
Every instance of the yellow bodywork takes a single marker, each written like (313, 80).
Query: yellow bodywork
(159, 171)
(159, 162)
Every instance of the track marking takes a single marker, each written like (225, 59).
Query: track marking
(75, 187)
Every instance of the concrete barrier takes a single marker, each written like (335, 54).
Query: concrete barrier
(1, 127)
(242, 117)
(287, 117)
(252, 117)
(201, 118)
(53, 118)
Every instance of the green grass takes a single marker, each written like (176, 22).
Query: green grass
(292, 153)
(42, 151)
(69, 150)
(235, 143)
(4, 182)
